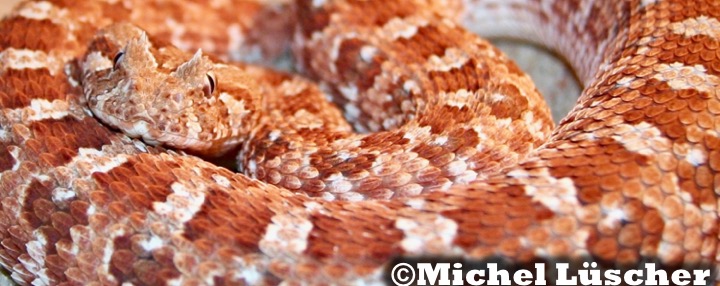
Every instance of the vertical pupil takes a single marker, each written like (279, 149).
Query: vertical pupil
(117, 59)
(212, 83)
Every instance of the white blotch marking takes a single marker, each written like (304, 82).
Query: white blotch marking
(344, 155)
(497, 97)
(680, 77)
(367, 53)
(702, 25)
(291, 87)
(221, 180)
(61, 195)
(20, 59)
(274, 135)
(466, 176)
(411, 86)
(352, 112)
(182, 205)
(350, 92)
(456, 168)
(519, 174)
(314, 207)
(625, 82)
(91, 210)
(562, 198)
(696, 157)
(250, 274)
(434, 235)
(613, 218)
(340, 186)
(641, 139)
(98, 160)
(154, 242)
(287, 235)
(415, 203)
(481, 135)
(42, 109)
(109, 246)
(535, 127)
(398, 28)
(36, 10)
(452, 59)
(459, 98)
(440, 140)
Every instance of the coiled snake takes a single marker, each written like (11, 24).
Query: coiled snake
(461, 158)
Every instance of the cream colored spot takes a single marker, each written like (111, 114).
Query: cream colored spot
(428, 235)
(561, 198)
(152, 243)
(642, 138)
(291, 87)
(459, 98)
(20, 59)
(367, 53)
(287, 235)
(452, 59)
(702, 25)
(99, 160)
(696, 157)
(411, 86)
(221, 180)
(41, 109)
(37, 10)
(415, 203)
(399, 28)
(350, 92)
(182, 205)
(680, 76)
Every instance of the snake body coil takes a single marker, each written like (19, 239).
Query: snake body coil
(462, 159)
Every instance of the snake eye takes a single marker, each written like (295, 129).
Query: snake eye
(209, 89)
(116, 60)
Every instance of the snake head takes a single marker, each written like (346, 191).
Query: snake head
(165, 96)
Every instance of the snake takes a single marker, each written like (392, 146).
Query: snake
(118, 118)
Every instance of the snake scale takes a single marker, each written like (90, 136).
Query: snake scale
(456, 155)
